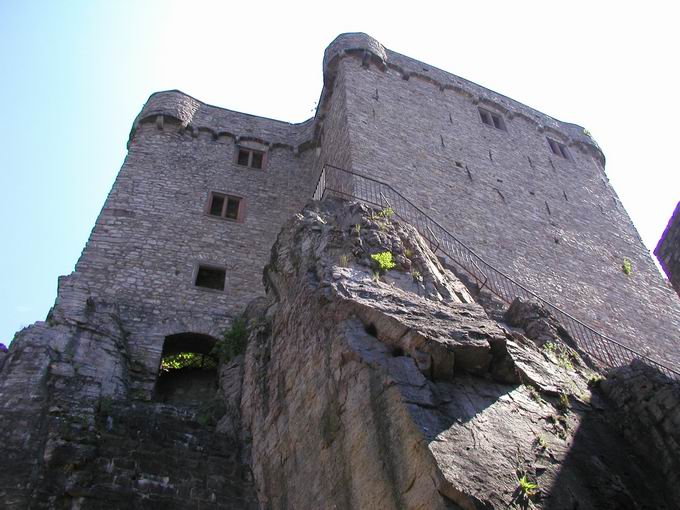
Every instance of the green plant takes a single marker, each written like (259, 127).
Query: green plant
(388, 212)
(417, 277)
(561, 353)
(541, 442)
(384, 261)
(357, 229)
(344, 260)
(627, 266)
(587, 133)
(408, 253)
(233, 342)
(186, 360)
(527, 488)
(594, 380)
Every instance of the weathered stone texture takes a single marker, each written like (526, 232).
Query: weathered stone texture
(647, 411)
(555, 225)
(76, 434)
(668, 249)
(355, 392)
(375, 393)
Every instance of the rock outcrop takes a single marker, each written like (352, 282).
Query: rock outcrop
(372, 389)
(371, 379)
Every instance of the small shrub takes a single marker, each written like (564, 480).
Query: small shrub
(417, 277)
(408, 253)
(344, 260)
(627, 267)
(234, 341)
(594, 380)
(388, 212)
(541, 442)
(384, 261)
(527, 488)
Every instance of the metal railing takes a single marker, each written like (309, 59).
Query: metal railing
(351, 185)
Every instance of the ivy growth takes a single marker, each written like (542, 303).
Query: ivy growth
(233, 342)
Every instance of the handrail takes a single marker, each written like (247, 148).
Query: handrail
(353, 185)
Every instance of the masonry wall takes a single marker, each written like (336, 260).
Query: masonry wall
(553, 224)
(154, 231)
(668, 249)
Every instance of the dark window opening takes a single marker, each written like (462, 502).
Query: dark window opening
(243, 157)
(559, 149)
(257, 160)
(210, 277)
(224, 206)
(187, 374)
(231, 211)
(250, 158)
(492, 119)
(216, 205)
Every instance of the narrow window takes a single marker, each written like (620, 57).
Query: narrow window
(231, 211)
(492, 119)
(216, 204)
(256, 160)
(243, 157)
(250, 158)
(559, 149)
(210, 277)
(224, 206)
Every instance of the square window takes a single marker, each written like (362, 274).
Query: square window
(250, 158)
(559, 149)
(210, 277)
(224, 206)
(492, 119)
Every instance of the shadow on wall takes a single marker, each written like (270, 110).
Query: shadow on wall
(617, 475)
(187, 375)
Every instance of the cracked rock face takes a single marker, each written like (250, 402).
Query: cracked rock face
(370, 388)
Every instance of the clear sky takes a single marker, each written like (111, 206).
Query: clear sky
(75, 73)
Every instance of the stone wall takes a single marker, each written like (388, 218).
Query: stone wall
(647, 411)
(554, 224)
(668, 249)
(153, 230)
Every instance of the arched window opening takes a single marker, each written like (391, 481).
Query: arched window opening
(188, 370)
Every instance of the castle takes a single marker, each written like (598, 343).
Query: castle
(186, 230)
(353, 392)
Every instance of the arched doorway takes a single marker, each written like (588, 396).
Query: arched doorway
(187, 374)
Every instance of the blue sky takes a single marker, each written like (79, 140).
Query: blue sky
(75, 74)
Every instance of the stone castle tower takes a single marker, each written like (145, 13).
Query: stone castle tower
(179, 247)
(204, 191)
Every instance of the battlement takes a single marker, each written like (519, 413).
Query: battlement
(195, 116)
